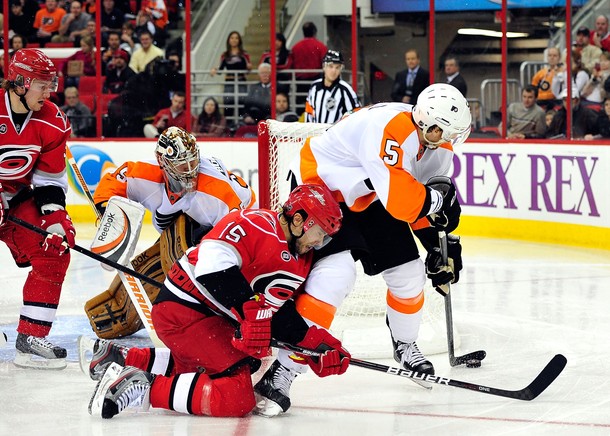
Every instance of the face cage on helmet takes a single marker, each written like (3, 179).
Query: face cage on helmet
(181, 180)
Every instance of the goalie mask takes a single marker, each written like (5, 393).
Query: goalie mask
(443, 105)
(178, 156)
(317, 206)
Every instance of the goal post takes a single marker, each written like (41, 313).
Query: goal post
(360, 320)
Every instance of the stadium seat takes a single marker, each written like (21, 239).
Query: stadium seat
(105, 101)
(247, 131)
(86, 85)
(88, 100)
(57, 45)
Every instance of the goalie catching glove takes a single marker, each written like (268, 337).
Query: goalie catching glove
(447, 217)
(333, 358)
(441, 274)
(253, 335)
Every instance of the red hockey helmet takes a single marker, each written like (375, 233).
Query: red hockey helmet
(319, 206)
(28, 64)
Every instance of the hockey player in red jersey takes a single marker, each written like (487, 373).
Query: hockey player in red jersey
(33, 134)
(218, 310)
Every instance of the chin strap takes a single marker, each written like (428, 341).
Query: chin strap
(21, 97)
(292, 245)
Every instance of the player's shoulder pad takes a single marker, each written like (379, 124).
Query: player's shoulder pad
(262, 218)
(215, 163)
(52, 115)
(146, 169)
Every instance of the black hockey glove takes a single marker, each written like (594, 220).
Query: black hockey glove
(440, 274)
(448, 217)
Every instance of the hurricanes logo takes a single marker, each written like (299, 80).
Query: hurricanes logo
(285, 256)
(3, 128)
(16, 161)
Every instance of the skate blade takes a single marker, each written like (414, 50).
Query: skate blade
(85, 353)
(266, 407)
(97, 399)
(25, 360)
(3, 339)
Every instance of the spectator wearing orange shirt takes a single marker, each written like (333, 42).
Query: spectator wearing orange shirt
(47, 21)
(543, 79)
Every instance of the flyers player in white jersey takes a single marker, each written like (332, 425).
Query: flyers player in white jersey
(380, 164)
(180, 183)
(33, 134)
(218, 310)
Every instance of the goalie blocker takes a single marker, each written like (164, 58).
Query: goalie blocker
(112, 314)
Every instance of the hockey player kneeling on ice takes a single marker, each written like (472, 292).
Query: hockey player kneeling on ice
(33, 177)
(220, 305)
(187, 195)
(381, 163)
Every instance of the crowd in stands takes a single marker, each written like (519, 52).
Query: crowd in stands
(137, 56)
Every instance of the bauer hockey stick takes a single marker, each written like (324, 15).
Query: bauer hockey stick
(542, 381)
(472, 360)
(131, 282)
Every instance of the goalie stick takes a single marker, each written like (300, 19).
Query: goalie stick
(453, 359)
(542, 381)
(130, 281)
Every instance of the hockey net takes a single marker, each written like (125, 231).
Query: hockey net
(360, 320)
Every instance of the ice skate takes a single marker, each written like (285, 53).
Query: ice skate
(121, 388)
(273, 390)
(409, 356)
(35, 352)
(3, 339)
(103, 354)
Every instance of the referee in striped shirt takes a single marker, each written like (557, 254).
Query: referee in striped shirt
(330, 97)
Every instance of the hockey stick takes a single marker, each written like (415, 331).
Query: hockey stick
(542, 381)
(130, 281)
(88, 253)
(454, 360)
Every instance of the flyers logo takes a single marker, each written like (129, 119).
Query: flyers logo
(16, 161)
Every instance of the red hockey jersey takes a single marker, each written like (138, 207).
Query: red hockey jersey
(36, 155)
(254, 241)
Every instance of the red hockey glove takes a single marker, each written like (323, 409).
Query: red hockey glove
(254, 333)
(334, 359)
(62, 236)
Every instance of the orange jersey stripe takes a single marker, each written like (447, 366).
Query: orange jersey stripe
(405, 195)
(115, 183)
(220, 189)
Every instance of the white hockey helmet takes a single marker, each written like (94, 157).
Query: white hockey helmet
(443, 105)
(178, 155)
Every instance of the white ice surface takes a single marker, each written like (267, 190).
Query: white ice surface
(521, 302)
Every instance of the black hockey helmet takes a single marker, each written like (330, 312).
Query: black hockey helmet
(333, 57)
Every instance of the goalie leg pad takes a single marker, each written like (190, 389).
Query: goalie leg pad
(112, 314)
